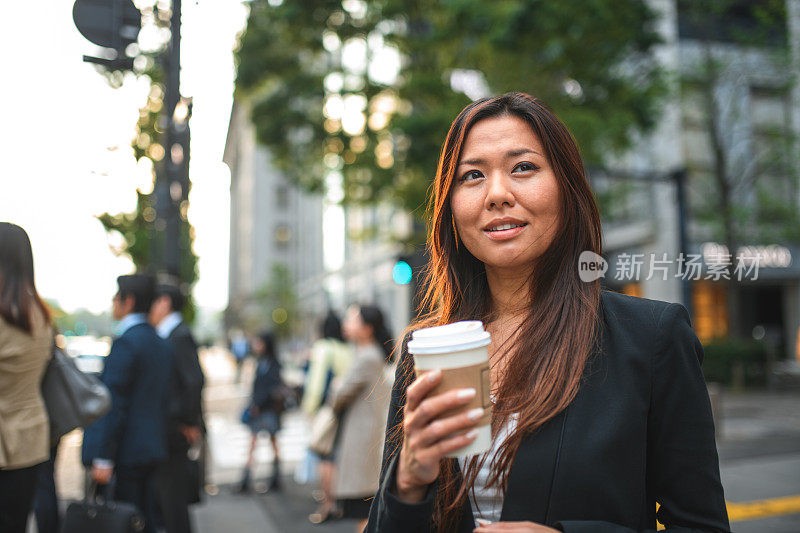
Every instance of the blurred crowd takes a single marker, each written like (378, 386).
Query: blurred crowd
(144, 432)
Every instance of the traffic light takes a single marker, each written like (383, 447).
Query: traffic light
(112, 24)
(408, 270)
(402, 273)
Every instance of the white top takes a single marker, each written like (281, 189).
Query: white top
(168, 324)
(128, 321)
(487, 503)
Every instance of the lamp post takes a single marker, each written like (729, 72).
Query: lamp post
(172, 175)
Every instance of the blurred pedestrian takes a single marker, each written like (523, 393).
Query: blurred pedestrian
(331, 358)
(263, 413)
(26, 341)
(45, 501)
(240, 347)
(185, 424)
(130, 441)
(362, 399)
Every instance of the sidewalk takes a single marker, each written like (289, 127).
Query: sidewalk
(230, 514)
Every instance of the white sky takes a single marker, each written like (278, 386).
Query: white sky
(59, 119)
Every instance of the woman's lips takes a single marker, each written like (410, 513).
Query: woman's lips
(505, 234)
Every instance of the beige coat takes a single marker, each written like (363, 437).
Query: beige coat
(364, 395)
(24, 427)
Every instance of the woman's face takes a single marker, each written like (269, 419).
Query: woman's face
(505, 198)
(353, 327)
(258, 346)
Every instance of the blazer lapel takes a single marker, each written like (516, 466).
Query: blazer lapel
(532, 473)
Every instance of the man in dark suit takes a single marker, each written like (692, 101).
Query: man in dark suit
(130, 441)
(184, 426)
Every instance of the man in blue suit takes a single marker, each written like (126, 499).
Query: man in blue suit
(130, 441)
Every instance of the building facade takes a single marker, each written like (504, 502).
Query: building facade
(746, 121)
(276, 232)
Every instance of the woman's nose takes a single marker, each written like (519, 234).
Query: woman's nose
(499, 192)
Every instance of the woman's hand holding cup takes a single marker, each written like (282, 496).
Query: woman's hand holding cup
(427, 437)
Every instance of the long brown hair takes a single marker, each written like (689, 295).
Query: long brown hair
(560, 330)
(19, 301)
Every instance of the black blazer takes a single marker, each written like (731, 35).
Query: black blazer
(640, 431)
(186, 387)
(137, 372)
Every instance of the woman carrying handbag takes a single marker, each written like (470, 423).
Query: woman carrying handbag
(26, 340)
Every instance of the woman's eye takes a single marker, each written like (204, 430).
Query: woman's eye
(524, 167)
(471, 175)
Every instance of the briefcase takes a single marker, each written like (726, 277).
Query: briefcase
(93, 516)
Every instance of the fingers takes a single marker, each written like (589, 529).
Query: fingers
(443, 447)
(421, 386)
(441, 428)
(432, 407)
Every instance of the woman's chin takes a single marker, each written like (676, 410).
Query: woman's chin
(509, 261)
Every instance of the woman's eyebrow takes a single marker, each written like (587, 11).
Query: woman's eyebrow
(511, 153)
(521, 151)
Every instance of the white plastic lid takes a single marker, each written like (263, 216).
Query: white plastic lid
(449, 338)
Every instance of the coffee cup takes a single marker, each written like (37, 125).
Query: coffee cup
(461, 351)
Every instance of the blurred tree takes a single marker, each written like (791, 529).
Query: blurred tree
(277, 304)
(142, 232)
(364, 91)
(746, 190)
(754, 182)
(84, 322)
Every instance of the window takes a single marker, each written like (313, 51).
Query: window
(282, 196)
(746, 22)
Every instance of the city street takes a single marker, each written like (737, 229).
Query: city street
(281, 189)
(759, 448)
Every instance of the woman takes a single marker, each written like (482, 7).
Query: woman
(266, 405)
(26, 340)
(600, 408)
(330, 359)
(362, 398)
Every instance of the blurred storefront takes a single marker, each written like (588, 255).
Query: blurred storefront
(767, 297)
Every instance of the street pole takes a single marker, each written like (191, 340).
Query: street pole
(172, 238)
(169, 189)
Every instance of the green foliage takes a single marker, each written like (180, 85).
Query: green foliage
(723, 355)
(753, 201)
(277, 303)
(587, 60)
(84, 322)
(135, 228)
(140, 238)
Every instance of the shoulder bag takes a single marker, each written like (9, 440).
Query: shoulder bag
(73, 399)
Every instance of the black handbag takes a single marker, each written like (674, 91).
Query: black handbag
(73, 399)
(94, 515)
